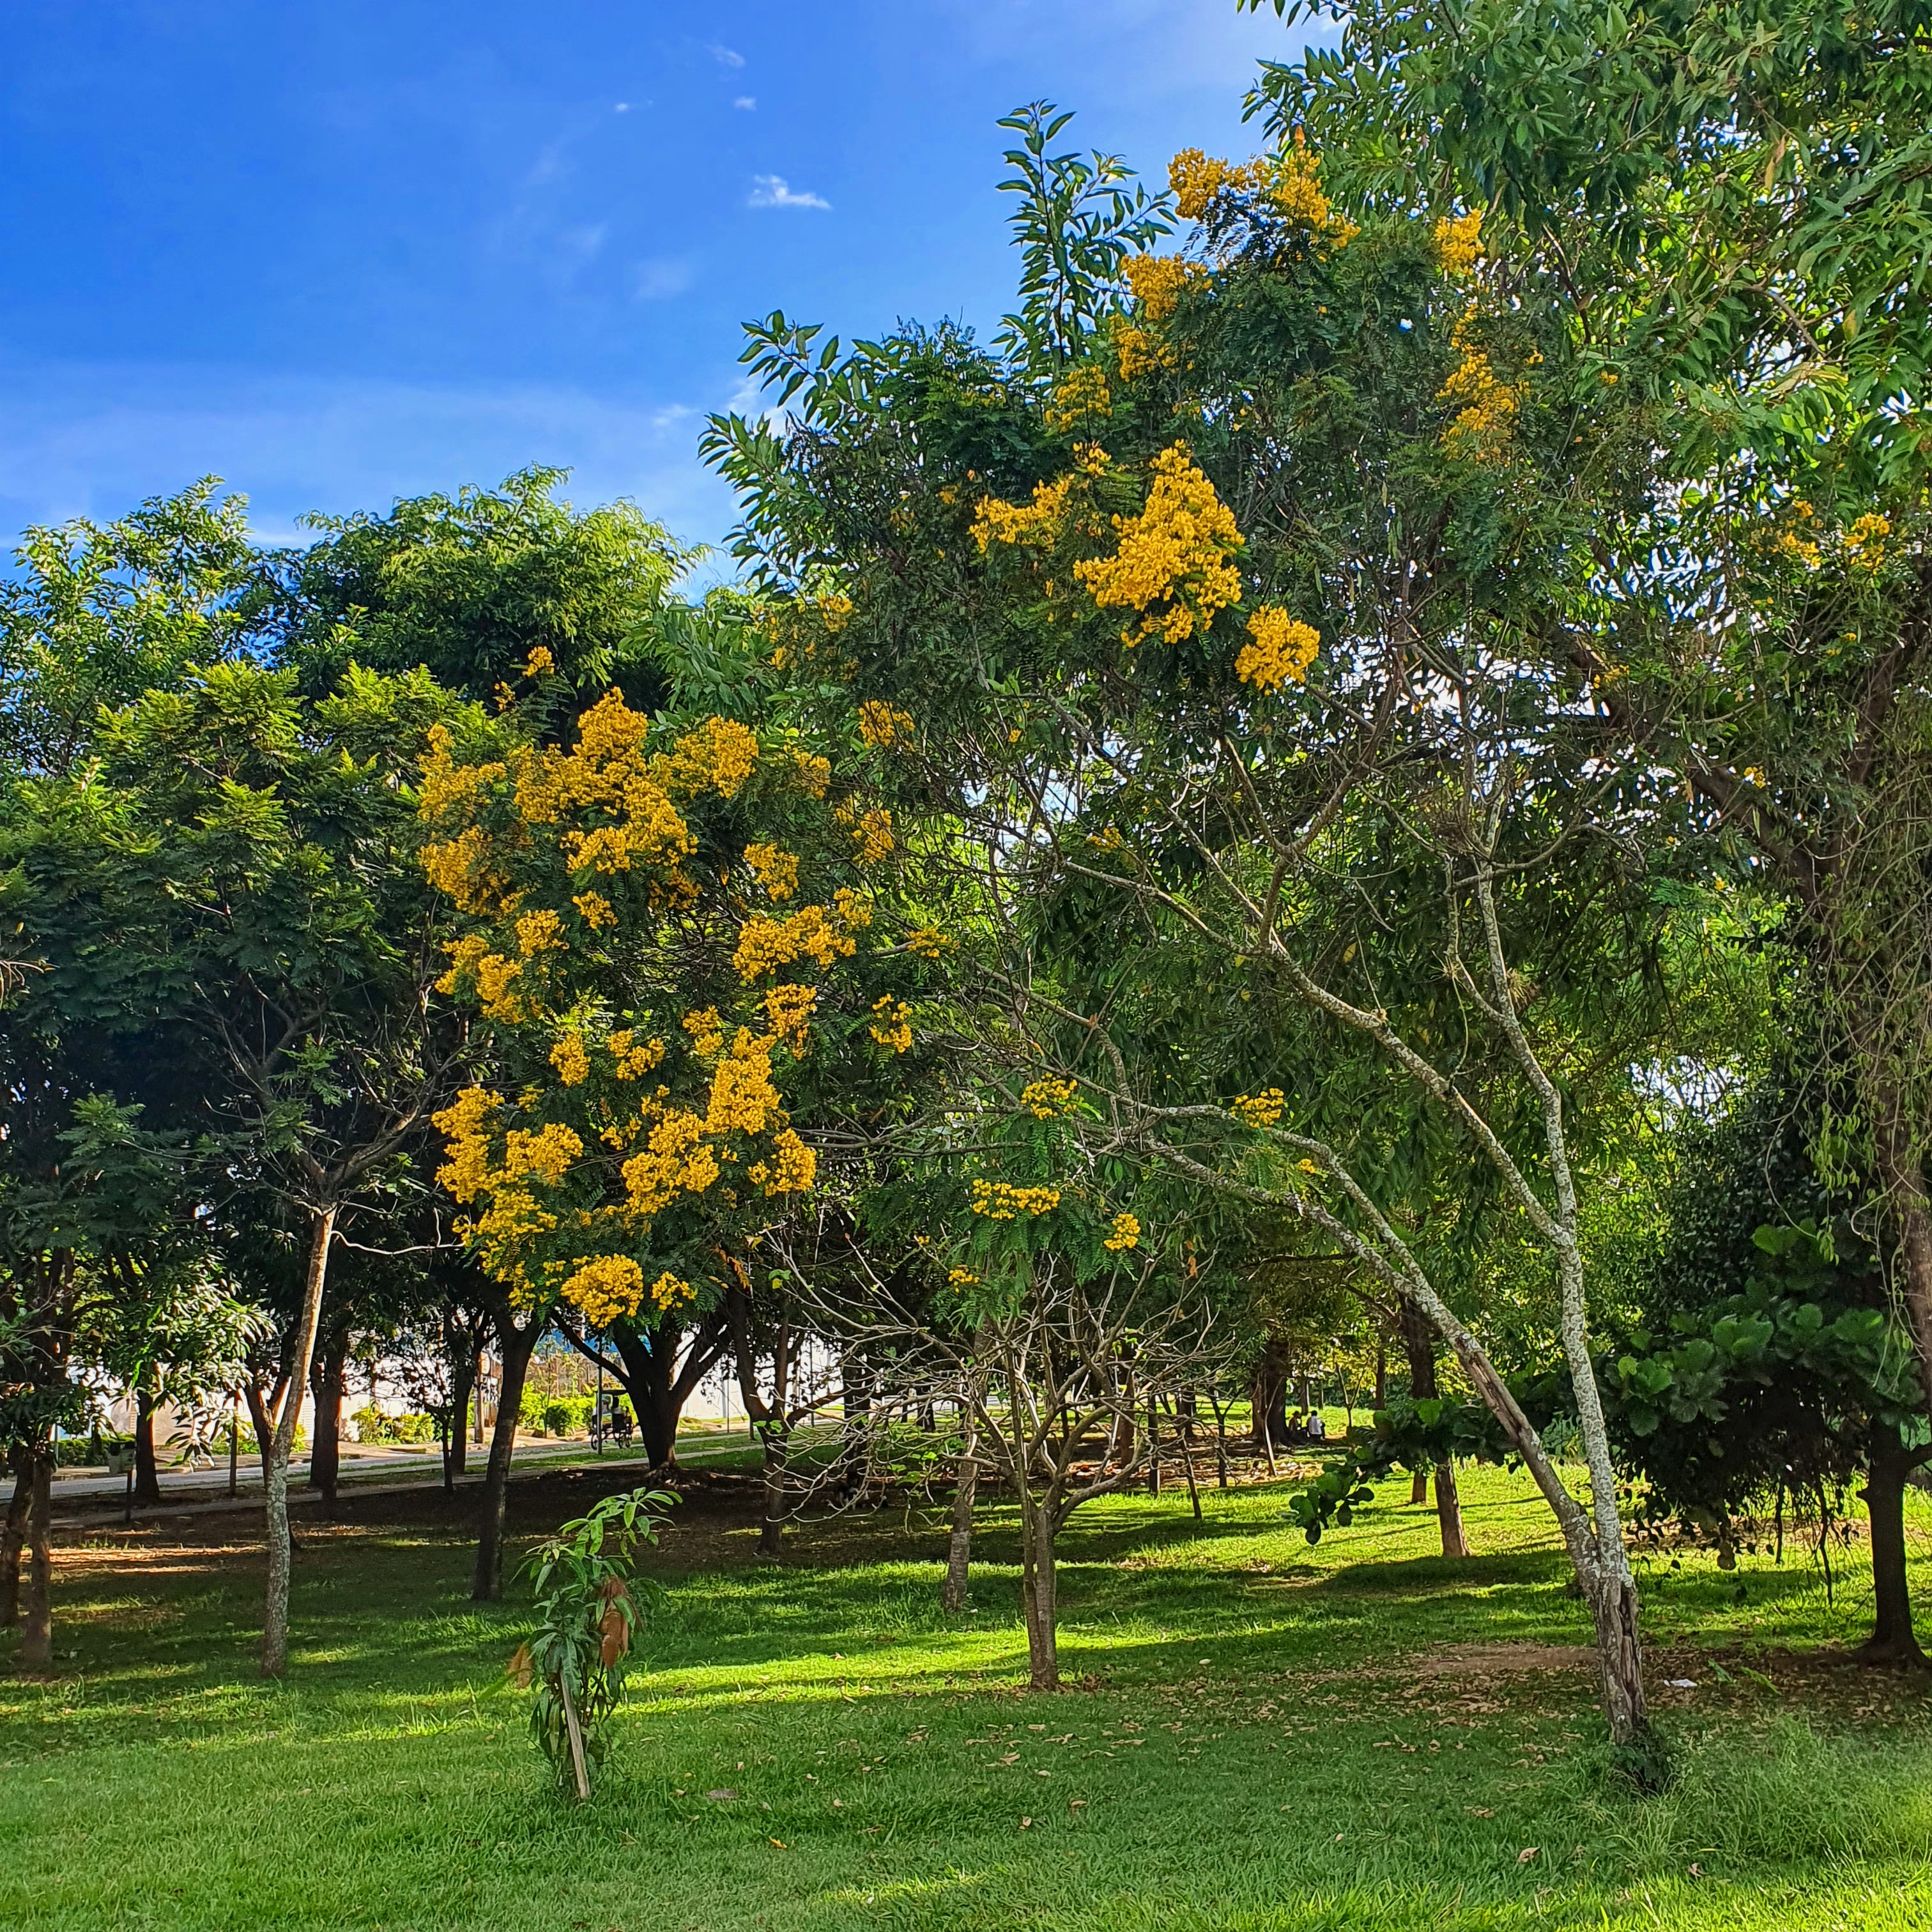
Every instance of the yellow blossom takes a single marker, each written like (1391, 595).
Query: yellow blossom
(1138, 352)
(1458, 242)
(774, 868)
(1035, 523)
(892, 1023)
(606, 1288)
(882, 726)
(1126, 1234)
(1156, 282)
(539, 662)
(792, 1169)
(1171, 564)
(928, 941)
(595, 910)
(1281, 650)
(571, 1060)
(721, 755)
(1483, 426)
(1047, 1099)
(873, 834)
(635, 1058)
(813, 773)
(765, 944)
(962, 1277)
(1081, 394)
(1259, 1110)
(706, 1031)
(667, 1291)
(538, 931)
(999, 1201)
(789, 1009)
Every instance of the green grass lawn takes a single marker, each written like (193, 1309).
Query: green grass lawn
(1264, 1735)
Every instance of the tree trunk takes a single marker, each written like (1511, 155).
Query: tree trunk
(1269, 1397)
(1892, 1640)
(1038, 1583)
(275, 1461)
(37, 1634)
(1613, 1601)
(515, 1347)
(1449, 1511)
(324, 1455)
(952, 1594)
(649, 1357)
(1418, 1488)
(12, 1539)
(1418, 1340)
(456, 1438)
(147, 1471)
(771, 1525)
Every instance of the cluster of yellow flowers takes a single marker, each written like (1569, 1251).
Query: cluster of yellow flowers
(1487, 421)
(606, 1288)
(1458, 241)
(539, 663)
(1156, 282)
(1795, 543)
(1036, 524)
(1172, 564)
(1281, 650)
(962, 1277)
(766, 944)
(721, 754)
(1139, 353)
(872, 833)
(882, 727)
(513, 1213)
(571, 1059)
(774, 868)
(1292, 180)
(1127, 1233)
(892, 1023)
(792, 1169)
(999, 1201)
(1083, 393)
(1866, 541)
(706, 1031)
(1259, 1110)
(635, 1058)
(1047, 1099)
(928, 941)
(813, 773)
(789, 1009)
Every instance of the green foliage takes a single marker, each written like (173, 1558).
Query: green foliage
(373, 1426)
(590, 1606)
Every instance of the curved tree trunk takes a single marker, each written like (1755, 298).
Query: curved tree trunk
(13, 1539)
(1893, 1640)
(147, 1471)
(959, 1555)
(36, 1633)
(456, 1435)
(515, 1346)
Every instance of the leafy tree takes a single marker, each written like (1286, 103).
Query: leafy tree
(241, 867)
(467, 587)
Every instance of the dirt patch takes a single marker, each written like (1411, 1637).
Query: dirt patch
(1502, 1660)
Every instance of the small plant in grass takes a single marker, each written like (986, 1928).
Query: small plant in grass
(590, 1604)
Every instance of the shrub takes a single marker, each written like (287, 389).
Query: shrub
(373, 1426)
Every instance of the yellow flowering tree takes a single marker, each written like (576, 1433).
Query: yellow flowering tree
(670, 933)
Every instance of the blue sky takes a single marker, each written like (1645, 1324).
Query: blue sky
(339, 252)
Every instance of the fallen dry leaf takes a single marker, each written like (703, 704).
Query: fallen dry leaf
(1528, 1852)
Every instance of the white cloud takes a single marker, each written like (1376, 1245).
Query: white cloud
(775, 191)
(725, 56)
(659, 279)
(622, 107)
(746, 102)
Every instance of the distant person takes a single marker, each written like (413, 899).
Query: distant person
(1318, 1429)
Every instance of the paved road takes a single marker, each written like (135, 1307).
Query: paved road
(369, 1472)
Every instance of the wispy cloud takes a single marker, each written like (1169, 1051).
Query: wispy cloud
(747, 102)
(775, 191)
(622, 107)
(725, 56)
(660, 279)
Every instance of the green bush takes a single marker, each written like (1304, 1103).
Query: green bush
(554, 1414)
(83, 1452)
(373, 1426)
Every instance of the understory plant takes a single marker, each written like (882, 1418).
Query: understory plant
(590, 1604)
